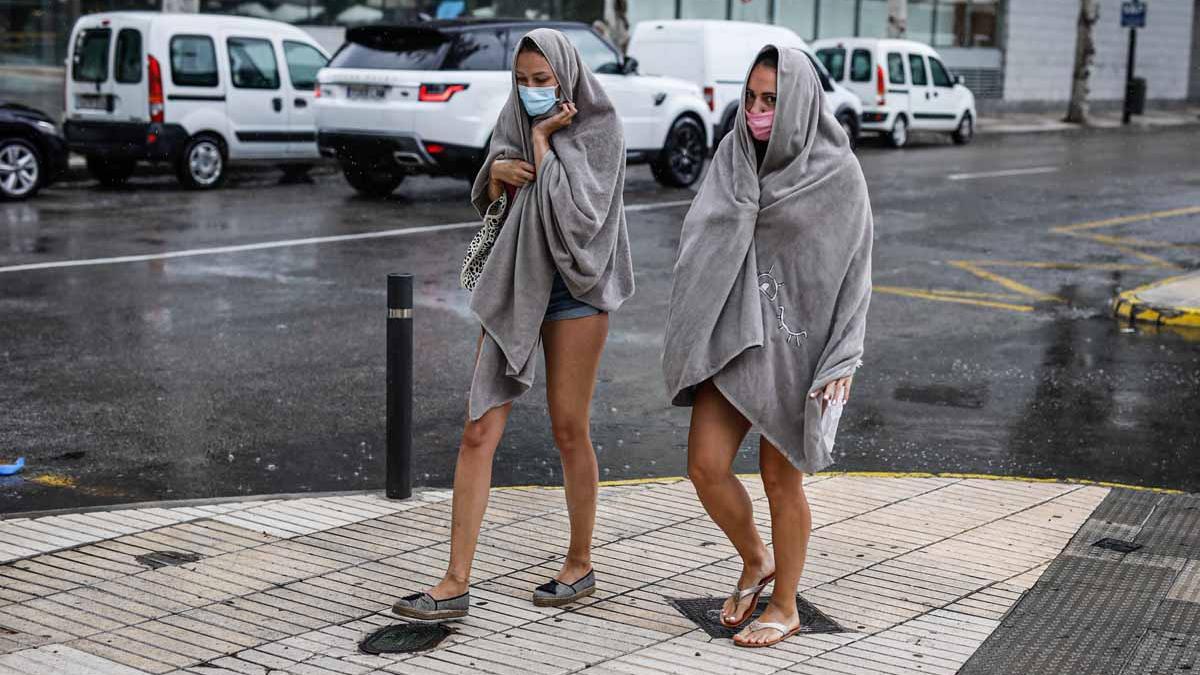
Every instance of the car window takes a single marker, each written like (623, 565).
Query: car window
(303, 62)
(91, 55)
(390, 50)
(252, 63)
(193, 61)
(860, 66)
(825, 83)
(477, 50)
(595, 52)
(916, 65)
(941, 78)
(895, 68)
(835, 62)
(128, 61)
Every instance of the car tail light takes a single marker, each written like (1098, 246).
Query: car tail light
(435, 148)
(880, 85)
(154, 89)
(317, 91)
(710, 97)
(439, 93)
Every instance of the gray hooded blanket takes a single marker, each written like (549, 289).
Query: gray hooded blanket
(571, 217)
(773, 278)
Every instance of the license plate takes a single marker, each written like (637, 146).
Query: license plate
(91, 102)
(366, 92)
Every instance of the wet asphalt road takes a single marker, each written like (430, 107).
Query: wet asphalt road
(262, 371)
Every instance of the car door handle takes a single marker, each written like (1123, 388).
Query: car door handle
(300, 103)
(926, 96)
(277, 104)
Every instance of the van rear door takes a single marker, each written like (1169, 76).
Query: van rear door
(107, 79)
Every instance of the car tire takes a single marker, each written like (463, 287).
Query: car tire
(681, 161)
(898, 136)
(965, 131)
(110, 171)
(372, 181)
(21, 171)
(202, 165)
(849, 122)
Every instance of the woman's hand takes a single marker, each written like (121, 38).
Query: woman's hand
(836, 392)
(557, 122)
(514, 172)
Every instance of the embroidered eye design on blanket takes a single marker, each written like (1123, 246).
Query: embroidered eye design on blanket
(769, 286)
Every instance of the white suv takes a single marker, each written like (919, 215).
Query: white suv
(716, 55)
(903, 86)
(423, 98)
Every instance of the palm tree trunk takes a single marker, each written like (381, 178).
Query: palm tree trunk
(897, 24)
(1085, 53)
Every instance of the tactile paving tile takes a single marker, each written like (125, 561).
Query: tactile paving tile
(706, 613)
(1174, 528)
(1164, 653)
(1126, 507)
(1179, 617)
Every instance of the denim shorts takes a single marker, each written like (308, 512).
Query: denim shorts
(563, 305)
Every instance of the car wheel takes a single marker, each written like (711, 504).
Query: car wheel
(110, 171)
(372, 181)
(682, 158)
(202, 165)
(849, 122)
(965, 131)
(898, 137)
(20, 169)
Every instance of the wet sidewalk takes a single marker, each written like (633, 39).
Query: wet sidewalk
(918, 572)
(1169, 302)
(1019, 123)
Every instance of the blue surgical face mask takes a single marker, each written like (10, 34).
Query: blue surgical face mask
(537, 100)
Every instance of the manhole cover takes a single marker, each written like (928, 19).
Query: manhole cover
(1118, 545)
(404, 637)
(706, 613)
(157, 559)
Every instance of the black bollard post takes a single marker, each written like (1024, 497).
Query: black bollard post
(399, 386)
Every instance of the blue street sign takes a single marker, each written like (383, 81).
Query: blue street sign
(1133, 14)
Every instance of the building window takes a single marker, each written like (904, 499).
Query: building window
(702, 9)
(758, 11)
(799, 15)
(836, 18)
(965, 23)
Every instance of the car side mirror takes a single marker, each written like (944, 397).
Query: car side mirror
(630, 66)
(958, 79)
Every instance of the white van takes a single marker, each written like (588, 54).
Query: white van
(196, 90)
(716, 55)
(904, 85)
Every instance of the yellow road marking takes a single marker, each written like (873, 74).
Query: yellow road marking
(1054, 265)
(1125, 220)
(929, 295)
(1004, 281)
(887, 474)
(52, 480)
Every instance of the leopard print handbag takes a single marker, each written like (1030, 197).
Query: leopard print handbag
(481, 245)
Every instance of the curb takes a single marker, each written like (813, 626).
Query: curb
(995, 127)
(1129, 305)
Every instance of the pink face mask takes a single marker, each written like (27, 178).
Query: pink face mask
(760, 124)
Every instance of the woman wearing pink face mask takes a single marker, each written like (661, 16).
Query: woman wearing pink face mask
(766, 323)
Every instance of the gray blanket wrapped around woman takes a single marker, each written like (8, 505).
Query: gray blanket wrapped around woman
(571, 217)
(773, 276)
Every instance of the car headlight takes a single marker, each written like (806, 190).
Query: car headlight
(46, 127)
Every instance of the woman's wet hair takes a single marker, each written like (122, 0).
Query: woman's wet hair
(769, 58)
(528, 45)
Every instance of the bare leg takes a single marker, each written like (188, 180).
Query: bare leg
(573, 348)
(472, 481)
(717, 431)
(791, 525)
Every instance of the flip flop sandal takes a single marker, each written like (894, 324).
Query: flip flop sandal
(740, 594)
(423, 607)
(555, 593)
(784, 633)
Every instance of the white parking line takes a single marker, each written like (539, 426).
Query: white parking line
(1002, 173)
(237, 248)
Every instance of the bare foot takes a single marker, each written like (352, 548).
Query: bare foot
(573, 570)
(752, 575)
(771, 614)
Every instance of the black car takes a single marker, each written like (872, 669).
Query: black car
(33, 153)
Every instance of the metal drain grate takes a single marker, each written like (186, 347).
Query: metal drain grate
(706, 613)
(404, 637)
(1118, 545)
(157, 559)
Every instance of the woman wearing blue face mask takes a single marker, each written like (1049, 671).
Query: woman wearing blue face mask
(560, 264)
